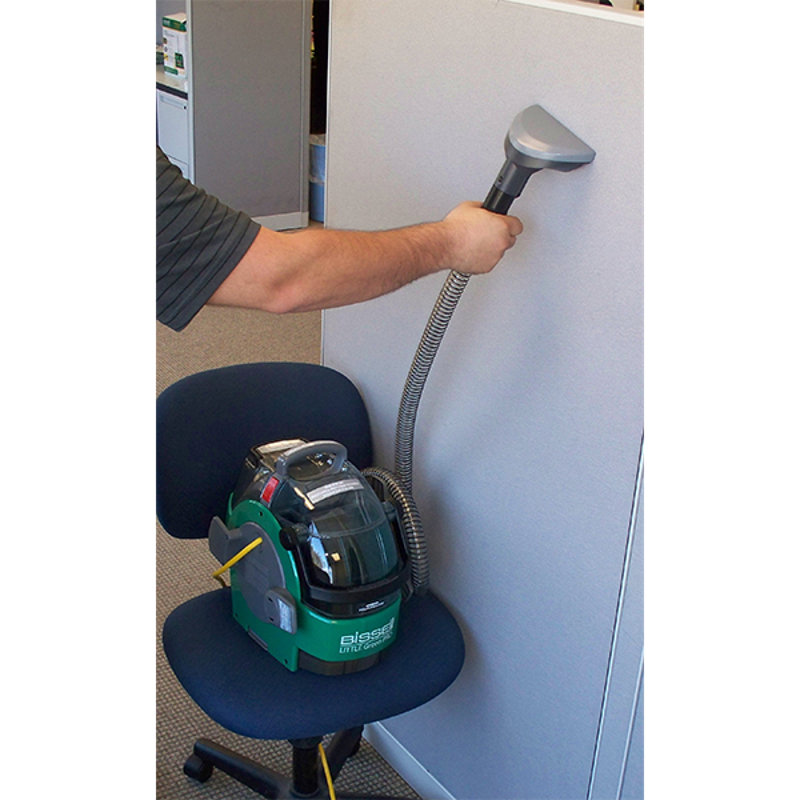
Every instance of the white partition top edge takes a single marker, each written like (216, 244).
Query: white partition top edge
(607, 13)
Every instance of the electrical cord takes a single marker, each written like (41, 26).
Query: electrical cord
(240, 555)
(327, 770)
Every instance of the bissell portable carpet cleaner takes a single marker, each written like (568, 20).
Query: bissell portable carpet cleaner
(321, 588)
(320, 563)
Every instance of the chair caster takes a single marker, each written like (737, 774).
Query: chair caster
(198, 769)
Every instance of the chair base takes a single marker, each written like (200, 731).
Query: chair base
(307, 781)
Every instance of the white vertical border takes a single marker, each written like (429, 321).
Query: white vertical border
(190, 87)
(626, 565)
(632, 722)
(305, 110)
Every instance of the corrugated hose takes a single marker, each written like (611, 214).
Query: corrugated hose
(398, 483)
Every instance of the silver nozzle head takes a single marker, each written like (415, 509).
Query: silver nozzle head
(537, 140)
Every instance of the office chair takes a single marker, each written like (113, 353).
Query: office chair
(206, 424)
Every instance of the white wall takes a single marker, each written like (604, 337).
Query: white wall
(530, 427)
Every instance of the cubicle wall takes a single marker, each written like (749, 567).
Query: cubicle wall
(528, 468)
(240, 129)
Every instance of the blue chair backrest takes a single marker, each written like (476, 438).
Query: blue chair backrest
(206, 423)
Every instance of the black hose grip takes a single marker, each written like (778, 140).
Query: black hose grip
(508, 186)
(498, 201)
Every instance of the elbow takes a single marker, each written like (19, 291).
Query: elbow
(273, 276)
(292, 297)
(281, 302)
(280, 309)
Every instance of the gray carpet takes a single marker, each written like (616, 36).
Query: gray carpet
(218, 337)
(221, 336)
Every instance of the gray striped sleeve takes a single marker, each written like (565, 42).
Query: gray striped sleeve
(199, 241)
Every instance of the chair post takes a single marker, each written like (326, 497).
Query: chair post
(305, 766)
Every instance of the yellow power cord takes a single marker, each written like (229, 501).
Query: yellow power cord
(226, 566)
(240, 555)
(325, 767)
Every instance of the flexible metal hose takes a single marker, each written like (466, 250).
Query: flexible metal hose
(398, 483)
(415, 382)
(412, 525)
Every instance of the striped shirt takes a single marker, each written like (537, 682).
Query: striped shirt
(199, 242)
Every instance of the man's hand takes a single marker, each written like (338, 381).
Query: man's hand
(479, 238)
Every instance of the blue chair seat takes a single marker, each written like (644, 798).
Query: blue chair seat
(248, 692)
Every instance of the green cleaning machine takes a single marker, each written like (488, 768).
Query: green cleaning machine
(318, 562)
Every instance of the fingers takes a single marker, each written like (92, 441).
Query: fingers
(515, 226)
(480, 237)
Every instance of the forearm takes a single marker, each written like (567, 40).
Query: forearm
(319, 268)
(328, 268)
(322, 268)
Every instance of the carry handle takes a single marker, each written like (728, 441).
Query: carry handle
(296, 454)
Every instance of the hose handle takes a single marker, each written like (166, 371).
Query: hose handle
(498, 201)
(507, 187)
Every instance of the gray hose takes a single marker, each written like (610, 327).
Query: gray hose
(415, 382)
(412, 525)
(398, 483)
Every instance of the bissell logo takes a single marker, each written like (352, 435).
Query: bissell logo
(358, 642)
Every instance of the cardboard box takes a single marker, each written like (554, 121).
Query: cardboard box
(176, 45)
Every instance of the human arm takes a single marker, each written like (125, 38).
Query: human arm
(322, 268)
